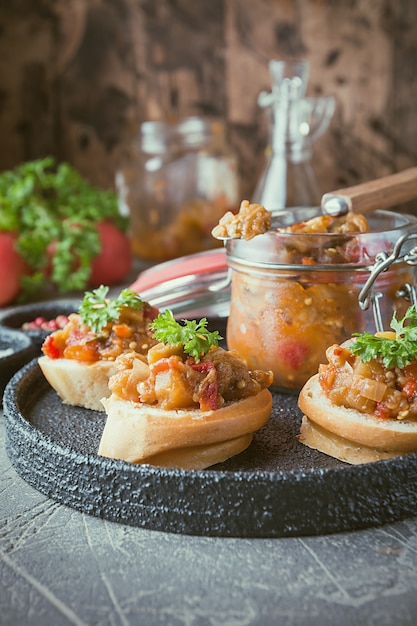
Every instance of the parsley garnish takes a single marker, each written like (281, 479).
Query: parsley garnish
(96, 310)
(45, 202)
(397, 352)
(193, 335)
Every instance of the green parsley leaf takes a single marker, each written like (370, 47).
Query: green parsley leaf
(194, 336)
(397, 352)
(97, 310)
(45, 202)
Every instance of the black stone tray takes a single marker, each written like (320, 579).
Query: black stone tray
(276, 488)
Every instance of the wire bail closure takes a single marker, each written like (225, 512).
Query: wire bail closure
(368, 296)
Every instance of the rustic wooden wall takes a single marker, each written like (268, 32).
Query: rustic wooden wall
(75, 73)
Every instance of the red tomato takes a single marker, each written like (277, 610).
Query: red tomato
(115, 259)
(12, 267)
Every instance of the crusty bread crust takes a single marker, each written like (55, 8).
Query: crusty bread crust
(140, 433)
(318, 438)
(76, 383)
(200, 457)
(347, 434)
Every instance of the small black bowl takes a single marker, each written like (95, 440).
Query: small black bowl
(15, 317)
(16, 349)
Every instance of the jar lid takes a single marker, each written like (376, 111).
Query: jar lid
(192, 286)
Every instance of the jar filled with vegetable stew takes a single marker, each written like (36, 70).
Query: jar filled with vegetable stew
(294, 294)
(175, 181)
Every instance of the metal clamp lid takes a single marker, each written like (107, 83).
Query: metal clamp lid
(383, 262)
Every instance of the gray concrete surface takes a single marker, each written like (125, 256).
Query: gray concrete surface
(60, 567)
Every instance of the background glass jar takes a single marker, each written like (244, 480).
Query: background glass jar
(175, 182)
(289, 303)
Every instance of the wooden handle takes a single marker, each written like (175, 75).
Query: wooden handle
(381, 193)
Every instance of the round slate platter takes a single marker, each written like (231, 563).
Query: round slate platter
(276, 488)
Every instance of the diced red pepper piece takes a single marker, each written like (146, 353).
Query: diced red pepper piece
(122, 330)
(410, 387)
(164, 364)
(51, 349)
(381, 410)
(209, 400)
(292, 353)
(86, 352)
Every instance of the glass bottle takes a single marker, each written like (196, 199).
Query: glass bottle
(295, 121)
(175, 182)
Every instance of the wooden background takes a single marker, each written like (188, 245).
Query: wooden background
(74, 74)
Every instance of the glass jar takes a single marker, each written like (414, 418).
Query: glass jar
(175, 182)
(292, 296)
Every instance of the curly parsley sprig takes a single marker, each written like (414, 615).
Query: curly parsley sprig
(44, 201)
(397, 352)
(97, 310)
(194, 336)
